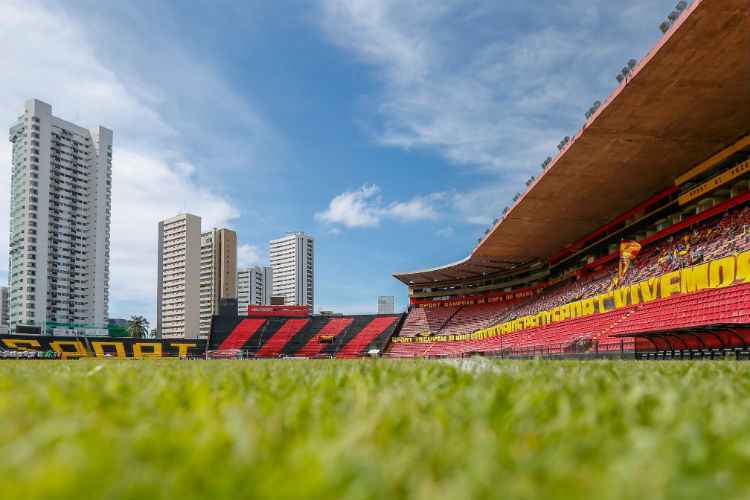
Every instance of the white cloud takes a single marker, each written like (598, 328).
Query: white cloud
(364, 208)
(493, 85)
(47, 56)
(249, 256)
(445, 232)
(416, 209)
(353, 208)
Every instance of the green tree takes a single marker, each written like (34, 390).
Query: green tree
(138, 327)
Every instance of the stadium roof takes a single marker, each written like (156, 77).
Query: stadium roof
(686, 100)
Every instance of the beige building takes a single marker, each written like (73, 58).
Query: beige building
(178, 296)
(218, 273)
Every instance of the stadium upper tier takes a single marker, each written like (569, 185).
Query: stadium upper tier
(686, 100)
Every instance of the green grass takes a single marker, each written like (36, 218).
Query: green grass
(373, 429)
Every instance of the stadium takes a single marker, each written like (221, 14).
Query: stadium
(587, 346)
(633, 241)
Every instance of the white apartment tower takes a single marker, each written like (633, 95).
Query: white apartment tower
(4, 317)
(254, 287)
(218, 277)
(386, 304)
(61, 186)
(293, 263)
(178, 294)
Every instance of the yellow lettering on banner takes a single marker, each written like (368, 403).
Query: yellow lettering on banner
(669, 285)
(743, 267)
(546, 317)
(649, 289)
(588, 307)
(555, 316)
(183, 349)
(721, 273)
(99, 346)
(138, 351)
(621, 297)
(694, 279)
(22, 344)
(576, 310)
(564, 312)
(79, 352)
(600, 299)
(635, 297)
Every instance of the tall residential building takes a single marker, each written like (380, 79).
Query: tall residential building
(178, 294)
(254, 286)
(386, 304)
(293, 263)
(218, 273)
(61, 186)
(4, 316)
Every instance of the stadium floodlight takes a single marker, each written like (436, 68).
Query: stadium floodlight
(673, 15)
(664, 27)
(619, 77)
(588, 114)
(632, 63)
(681, 5)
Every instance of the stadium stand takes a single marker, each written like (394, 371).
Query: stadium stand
(726, 235)
(635, 237)
(272, 336)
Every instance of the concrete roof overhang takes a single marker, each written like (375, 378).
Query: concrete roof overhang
(686, 100)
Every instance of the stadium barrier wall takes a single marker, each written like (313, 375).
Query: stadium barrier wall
(718, 273)
(100, 347)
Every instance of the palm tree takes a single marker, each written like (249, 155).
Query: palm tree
(138, 327)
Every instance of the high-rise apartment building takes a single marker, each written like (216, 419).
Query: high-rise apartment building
(4, 316)
(61, 185)
(218, 273)
(386, 304)
(254, 287)
(178, 293)
(293, 263)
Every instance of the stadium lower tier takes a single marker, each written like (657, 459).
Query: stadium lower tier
(314, 336)
(716, 318)
(725, 234)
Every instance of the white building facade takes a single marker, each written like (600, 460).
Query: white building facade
(254, 287)
(61, 190)
(386, 304)
(293, 264)
(178, 285)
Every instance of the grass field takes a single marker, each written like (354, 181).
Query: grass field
(374, 429)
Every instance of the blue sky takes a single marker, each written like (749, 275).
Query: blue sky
(392, 131)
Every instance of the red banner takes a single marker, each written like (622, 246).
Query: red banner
(283, 311)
